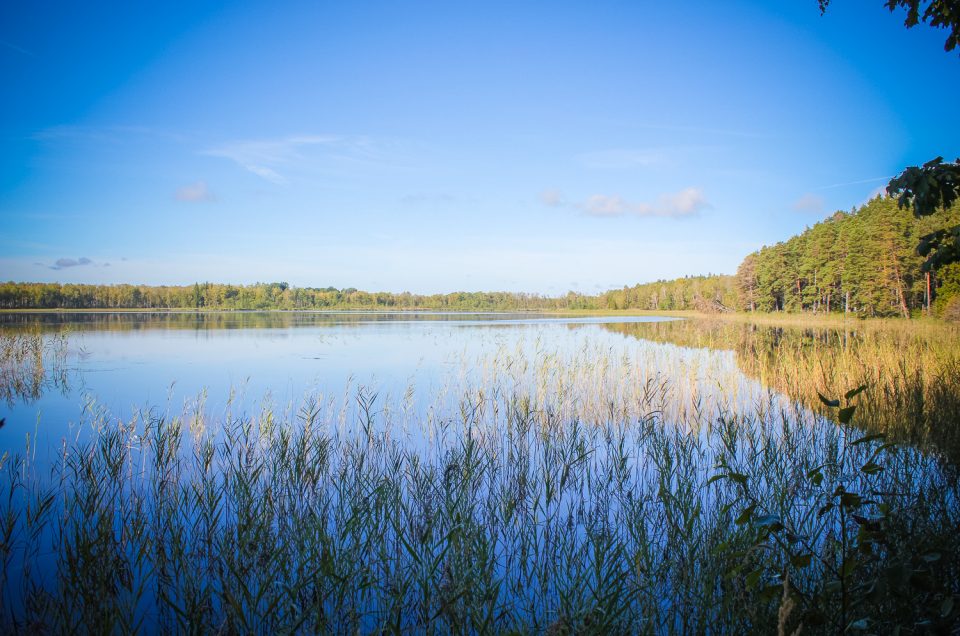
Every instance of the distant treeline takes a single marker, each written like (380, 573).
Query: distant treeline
(702, 293)
(864, 261)
(263, 296)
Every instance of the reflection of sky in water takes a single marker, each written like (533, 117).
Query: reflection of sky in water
(599, 376)
(280, 358)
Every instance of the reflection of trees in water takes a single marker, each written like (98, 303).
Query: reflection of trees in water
(912, 372)
(201, 321)
(30, 364)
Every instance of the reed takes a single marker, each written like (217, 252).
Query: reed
(32, 362)
(538, 491)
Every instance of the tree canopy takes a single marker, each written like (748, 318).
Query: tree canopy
(927, 189)
(942, 14)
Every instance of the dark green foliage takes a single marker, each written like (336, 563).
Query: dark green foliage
(943, 14)
(864, 262)
(848, 557)
(928, 189)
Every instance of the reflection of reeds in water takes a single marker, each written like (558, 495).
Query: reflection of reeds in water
(31, 363)
(912, 372)
(540, 491)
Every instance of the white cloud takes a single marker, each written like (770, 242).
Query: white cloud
(551, 198)
(195, 193)
(605, 205)
(809, 202)
(685, 203)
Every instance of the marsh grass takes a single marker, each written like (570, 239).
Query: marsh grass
(32, 362)
(539, 491)
(912, 371)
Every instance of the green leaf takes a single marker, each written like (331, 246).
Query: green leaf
(850, 499)
(745, 515)
(740, 478)
(846, 414)
(871, 468)
(717, 477)
(867, 438)
(947, 607)
(827, 401)
(855, 392)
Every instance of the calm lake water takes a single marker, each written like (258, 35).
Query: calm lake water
(366, 470)
(125, 363)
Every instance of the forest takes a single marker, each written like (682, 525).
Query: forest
(261, 296)
(864, 261)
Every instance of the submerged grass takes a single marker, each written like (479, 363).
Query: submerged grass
(540, 491)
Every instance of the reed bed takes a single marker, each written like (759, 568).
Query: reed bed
(32, 362)
(538, 491)
(912, 372)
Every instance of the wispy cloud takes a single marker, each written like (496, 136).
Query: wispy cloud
(197, 192)
(857, 182)
(685, 203)
(606, 205)
(551, 198)
(270, 159)
(810, 203)
(14, 47)
(106, 134)
(67, 263)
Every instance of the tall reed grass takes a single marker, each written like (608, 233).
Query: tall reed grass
(32, 362)
(912, 371)
(539, 491)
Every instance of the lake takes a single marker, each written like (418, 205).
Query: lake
(263, 472)
(129, 362)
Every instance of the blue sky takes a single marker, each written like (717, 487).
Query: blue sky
(433, 147)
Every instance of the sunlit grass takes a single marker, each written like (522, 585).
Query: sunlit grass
(30, 363)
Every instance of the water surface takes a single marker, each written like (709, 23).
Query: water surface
(127, 362)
